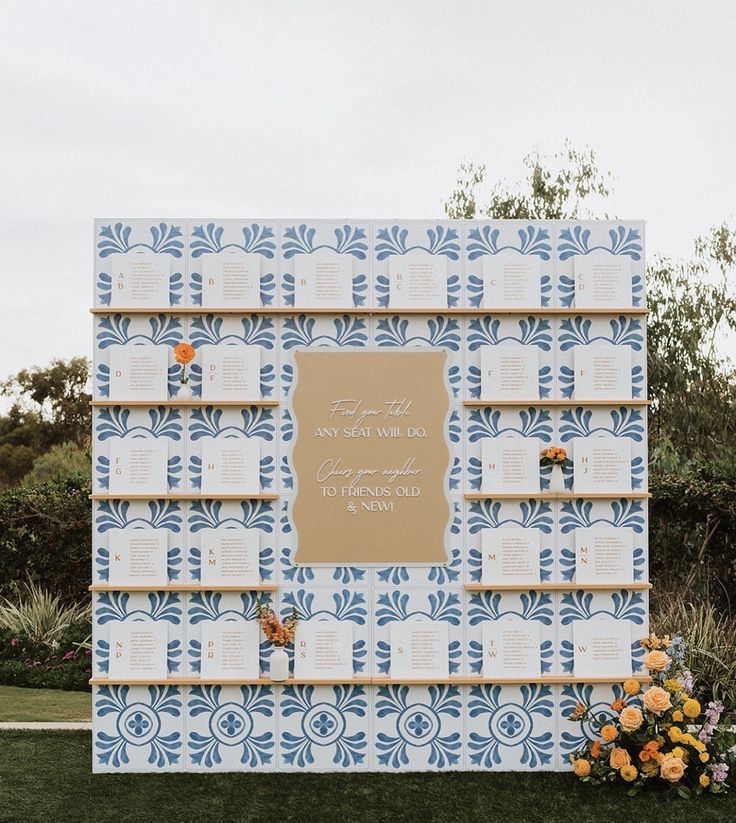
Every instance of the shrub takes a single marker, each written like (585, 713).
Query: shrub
(34, 665)
(40, 616)
(64, 460)
(45, 535)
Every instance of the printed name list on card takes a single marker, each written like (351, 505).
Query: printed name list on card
(323, 281)
(417, 281)
(138, 466)
(230, 557)
(230, 648)
(512, 648)
(510, 465)
(602, 372)
(323, 649)
(604, 555)
(138, 373)
(140, 280)
(510, 556)
(138, 557)
(602, 280)
(231, 278)
(138, 649)
(420, 649)
(509, 371)
(512, 280)
(231, 466)
(602, 464)
(602, 648)
(231, 373)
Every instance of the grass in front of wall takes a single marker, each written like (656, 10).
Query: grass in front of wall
(52, 705)
(45, 776)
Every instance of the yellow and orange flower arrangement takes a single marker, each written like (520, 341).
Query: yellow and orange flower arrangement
(658, 735)
(553, 456)
(278, 632)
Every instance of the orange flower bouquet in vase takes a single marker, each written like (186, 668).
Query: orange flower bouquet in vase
(184, 354)
(279, 633)
(556, 458)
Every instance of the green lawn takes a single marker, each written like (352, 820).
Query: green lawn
(43, 704)
(45, 776)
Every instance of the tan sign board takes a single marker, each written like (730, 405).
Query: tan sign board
(371, 457)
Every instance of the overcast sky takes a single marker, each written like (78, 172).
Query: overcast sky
(335, 109)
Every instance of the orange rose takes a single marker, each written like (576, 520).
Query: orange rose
(657, 700)
(631, 718)
(561, 453)
(595, 749)
(672, 769)
(656, 661)
(618, 704)
(581, 767)
(619, 757)
(184, 353)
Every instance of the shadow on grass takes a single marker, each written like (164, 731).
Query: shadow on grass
(46, 777)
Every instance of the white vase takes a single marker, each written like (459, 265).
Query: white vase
(556, 480)
(279, 664)
(185, 392)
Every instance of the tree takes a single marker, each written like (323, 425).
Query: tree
(554, 189)
(49, 406)
(59, 462)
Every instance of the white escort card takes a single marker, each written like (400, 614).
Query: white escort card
(510, 464)
(420, 649)
(138, 650)
(602, 647)
(140, 280)
(512, 648)
(138, 557)
(139, 373)
(323, 649)
(417, 281)
(231, 466)
(322, 280)
(230, 649)
(602, 372)
(512, 280)
(231, 278)
(604, 555)
(231, 373)
(602, 280)
(602, 464)
(139, 466)
(509, 371)
(230, 557)
(510, 556)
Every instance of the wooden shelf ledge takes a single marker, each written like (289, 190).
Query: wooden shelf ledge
(184, 587)
(557, 496)
(184, 496)
(174, 402)
(552, 680)
(553, 403)
(557, 587)
(292, 310)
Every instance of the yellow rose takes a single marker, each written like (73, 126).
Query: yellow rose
(678, 751)
(619, 758)
(581, 767)
(678, 716)
(631, 719)
(691, 708)
(675, 733)
(704, 780)
(609, 733)
(628, 773)
(656, 661)
(632, 686)
(657, 700)
(699, 745)
(704, 757)
(672, 769)
(673, 685)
